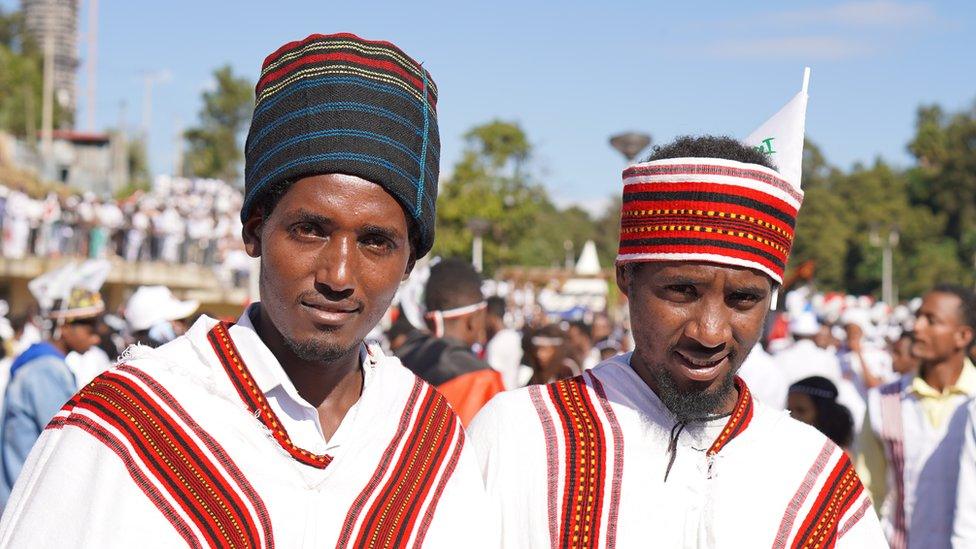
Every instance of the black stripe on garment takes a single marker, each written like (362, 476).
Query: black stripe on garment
(723, 198)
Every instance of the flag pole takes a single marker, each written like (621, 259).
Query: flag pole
(806, 79)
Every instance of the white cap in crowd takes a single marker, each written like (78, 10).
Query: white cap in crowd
(150, 305)
(804, 324)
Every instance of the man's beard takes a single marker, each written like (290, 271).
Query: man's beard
(317, 351)
(690, 406)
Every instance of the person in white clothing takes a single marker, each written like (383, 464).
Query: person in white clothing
(805, 359)
(504, 350)
(666, 446)
(964, 522)
(764, 377)
(916, 425)
(284, 429)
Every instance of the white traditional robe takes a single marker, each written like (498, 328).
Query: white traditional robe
(921, 462)
(182, 447)
(581, 463)
(964, 525)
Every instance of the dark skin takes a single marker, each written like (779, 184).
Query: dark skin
(579, 342)
(802, 408)
(470, 328)
(940, 339)
(493, 325)
(902, 360)
(692, 318)
(333, 253)
(78, 337)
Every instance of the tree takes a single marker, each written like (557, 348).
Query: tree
(945, 179)
(491, 182)
(214, 145)
(21, 81)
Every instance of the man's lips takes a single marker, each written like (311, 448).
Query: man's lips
(698, 368)
(330, 312)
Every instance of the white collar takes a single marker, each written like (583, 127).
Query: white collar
(264, 366)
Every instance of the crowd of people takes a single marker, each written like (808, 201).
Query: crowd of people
(180, 220)
(348, 409)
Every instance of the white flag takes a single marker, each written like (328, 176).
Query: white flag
(782, 135)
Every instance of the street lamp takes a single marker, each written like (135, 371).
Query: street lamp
(478, 228)
(630, 144)
(887, 246)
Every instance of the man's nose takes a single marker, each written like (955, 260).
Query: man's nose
(336, 263)
(712, 327)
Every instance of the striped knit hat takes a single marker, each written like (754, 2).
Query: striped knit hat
(341, 104)
(708, 209)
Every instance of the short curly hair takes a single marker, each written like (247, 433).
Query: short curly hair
(711, 146)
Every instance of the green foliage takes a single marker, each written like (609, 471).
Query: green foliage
(945, 179)
(214, 145)
(21, 81)
(846, 217)
(138, 161)
(490, 182)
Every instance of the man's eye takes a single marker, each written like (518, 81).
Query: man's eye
(378, 242)
(744, 297)
(305, 230)
(685, 290)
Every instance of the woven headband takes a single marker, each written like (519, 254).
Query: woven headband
(708, 209)
(438, 317)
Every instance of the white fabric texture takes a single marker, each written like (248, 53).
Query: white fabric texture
(764, 378)
(964, 523)
(504, 354)
(76, 480)
(753, 492)
(929, 459)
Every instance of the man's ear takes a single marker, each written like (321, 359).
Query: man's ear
(410, 265)
(964, 337)
(251, 233)
(624, 275)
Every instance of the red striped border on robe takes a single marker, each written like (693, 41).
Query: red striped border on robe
(893, 437)
(583, 447)
(403, 507)
(821, 525)
(197, 488)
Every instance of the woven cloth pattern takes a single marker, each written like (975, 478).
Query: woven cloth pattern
(706, 209)
(342, 104)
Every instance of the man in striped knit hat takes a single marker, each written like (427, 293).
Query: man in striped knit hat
(283, 429)
(666, 446)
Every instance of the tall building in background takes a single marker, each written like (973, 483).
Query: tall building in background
(59, 17)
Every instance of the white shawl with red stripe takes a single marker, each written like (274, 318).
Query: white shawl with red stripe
(581, 463)
(178, 448)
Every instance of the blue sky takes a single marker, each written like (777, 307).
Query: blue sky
(573, 73)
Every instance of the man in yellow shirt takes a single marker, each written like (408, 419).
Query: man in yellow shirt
(914, 430)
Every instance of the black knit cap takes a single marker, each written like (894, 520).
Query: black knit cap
(341, 104)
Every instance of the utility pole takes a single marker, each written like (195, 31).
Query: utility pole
(91, 64)
(178, 148)
(887, 245)
(47, 112)
(148, 80)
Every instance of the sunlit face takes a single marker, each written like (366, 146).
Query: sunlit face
(801, 407)
(333, 253)
(693, 325)
(939, 331)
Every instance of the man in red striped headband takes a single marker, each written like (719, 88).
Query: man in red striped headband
(666, 446)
